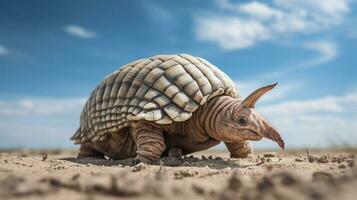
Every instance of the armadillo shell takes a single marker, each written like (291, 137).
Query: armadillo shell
(162, 89)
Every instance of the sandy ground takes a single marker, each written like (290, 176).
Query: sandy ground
(205, 175)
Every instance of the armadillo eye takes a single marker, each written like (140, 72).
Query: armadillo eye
(243, 121)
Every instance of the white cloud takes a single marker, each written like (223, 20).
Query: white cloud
(230, 32)
(40, 106)
(253, 8)
(159, 14)
(318, 122)
(310, 16)
(3, 50)
(39, 122)
(259, 10)
(332, 104)
(80, 32)
(268, 21)
(334, 8)
(326, 51)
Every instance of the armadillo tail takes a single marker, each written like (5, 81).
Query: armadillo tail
(76, 134)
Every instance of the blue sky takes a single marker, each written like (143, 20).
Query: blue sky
(53, 53)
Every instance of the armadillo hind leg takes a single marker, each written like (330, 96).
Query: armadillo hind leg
(239, 149)
(87, 150)
(117, 145)
(149, 141)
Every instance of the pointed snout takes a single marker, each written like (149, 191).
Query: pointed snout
(272, 134)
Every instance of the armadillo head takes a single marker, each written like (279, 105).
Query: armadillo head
(247, 124)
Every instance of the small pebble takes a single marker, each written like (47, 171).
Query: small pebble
(322, 159)
(342, 166)
(351, 163)
(75, 177)
(198, 189)
(311, 159)
(269, 167)
(138, 167)
(270, 155)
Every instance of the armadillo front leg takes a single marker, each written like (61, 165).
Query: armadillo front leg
(239, 149)
(149, 140)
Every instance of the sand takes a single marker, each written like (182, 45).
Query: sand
(204, 175)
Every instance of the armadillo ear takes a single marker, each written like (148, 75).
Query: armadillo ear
(254, 96)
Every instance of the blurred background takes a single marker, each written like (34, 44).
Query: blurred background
(53, 54)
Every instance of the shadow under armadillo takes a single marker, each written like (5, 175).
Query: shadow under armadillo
(189, 161)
